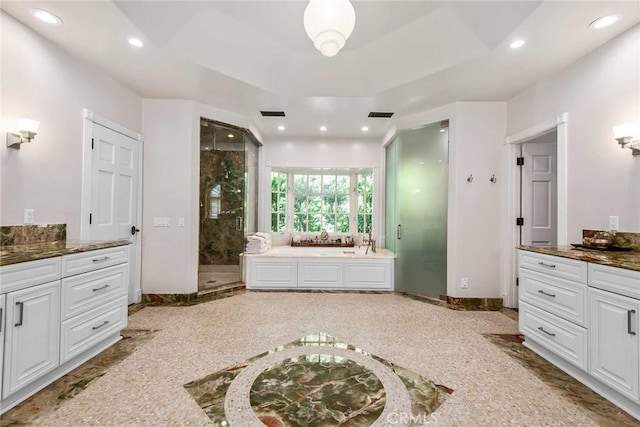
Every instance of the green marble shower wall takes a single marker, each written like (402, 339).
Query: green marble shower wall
(222, 184)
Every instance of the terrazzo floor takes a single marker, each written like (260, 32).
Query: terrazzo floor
(489, 386)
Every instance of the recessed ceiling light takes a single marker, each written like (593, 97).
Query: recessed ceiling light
(47, 17)
(230, 135)
(605, 21)
(516, 44)
(365, 129)
(135, 42)
(442, 130)
(281, 127)
(323, 128)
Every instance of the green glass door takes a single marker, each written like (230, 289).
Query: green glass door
(417, 189)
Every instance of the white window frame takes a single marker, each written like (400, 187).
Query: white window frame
(353, 195)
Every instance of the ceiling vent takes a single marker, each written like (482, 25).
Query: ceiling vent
(379, 114)
(272, 113)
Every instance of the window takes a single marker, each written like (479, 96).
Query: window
(340, 202)
(365, 201)
(214, 202)
(278, 201)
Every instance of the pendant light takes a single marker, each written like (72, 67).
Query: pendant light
(329, 23)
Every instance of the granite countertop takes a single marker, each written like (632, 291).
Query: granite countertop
(628, 260)
(31, 252)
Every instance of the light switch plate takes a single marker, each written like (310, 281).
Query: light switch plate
(180, 222)
(161, 221)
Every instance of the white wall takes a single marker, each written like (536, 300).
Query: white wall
(41, 81)
(171, 182)
(321, 153)
(476, 135)
(598, 91)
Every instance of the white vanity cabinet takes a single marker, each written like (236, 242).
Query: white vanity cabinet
(584, 318)
(614, 339)
(32, 335)
(3, 327)
(58, 313)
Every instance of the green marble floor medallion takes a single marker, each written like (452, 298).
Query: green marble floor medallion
(317, 389)
(317, 381)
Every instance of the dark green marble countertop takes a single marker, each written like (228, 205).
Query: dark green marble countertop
(628, 260)
(21, 253)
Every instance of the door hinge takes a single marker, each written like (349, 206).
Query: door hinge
(519, 161)
(90, 218)
(92, 143)
(519, 221)
(517, 281)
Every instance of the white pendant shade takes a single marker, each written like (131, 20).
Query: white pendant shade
(329, 23)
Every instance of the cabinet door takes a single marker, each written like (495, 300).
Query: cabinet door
(3, 326)
(615, 341)
(32, 335)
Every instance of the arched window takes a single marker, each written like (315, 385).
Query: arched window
(215, 197)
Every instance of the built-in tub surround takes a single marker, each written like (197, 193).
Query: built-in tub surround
(330, 268)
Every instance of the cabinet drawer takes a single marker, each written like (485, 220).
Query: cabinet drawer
(22, 275)
(368, 275)
(563, 338)
(281, 273)
(320, 274)
(561, 297)
(618, 280)
(84, 262)
(564, 268)
(85, 330)
(89, 290)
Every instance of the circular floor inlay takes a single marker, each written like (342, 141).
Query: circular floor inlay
(317, 389)
(242, 405)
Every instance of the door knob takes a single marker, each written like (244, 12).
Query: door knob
(134, 230)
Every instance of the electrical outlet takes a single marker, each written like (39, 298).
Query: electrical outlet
(28, 216)
(614, 223)
(464, 283)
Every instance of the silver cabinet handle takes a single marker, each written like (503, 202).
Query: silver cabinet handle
(101, 259)
(105, 323)
(544, 293)
(547, 265)
(100, 288)
(399, 231)
(629, 313)
(21, 305)
(546, 332)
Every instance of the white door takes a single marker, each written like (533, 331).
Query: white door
(114, 193)
(33, 335)
(614, 341)
(539, 196)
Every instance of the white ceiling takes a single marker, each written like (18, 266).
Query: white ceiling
(403, 56)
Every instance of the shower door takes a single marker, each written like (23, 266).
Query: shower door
(222, 201)
(417, 175)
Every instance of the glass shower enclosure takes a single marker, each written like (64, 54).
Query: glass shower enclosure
(416, 208)
(228, 202)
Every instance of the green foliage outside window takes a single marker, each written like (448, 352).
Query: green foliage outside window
(321, 201)
(364, 190)
(278, 202)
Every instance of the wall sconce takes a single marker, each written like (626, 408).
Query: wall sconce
(27, 130)
(628, 136)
